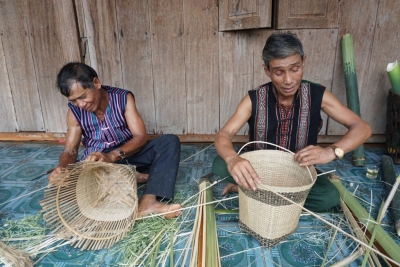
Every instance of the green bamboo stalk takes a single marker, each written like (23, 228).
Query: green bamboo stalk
(155, 251)
(212, 251)
(353, 102)
(389, 176)
(386, 242)
(372, 239)
(393, 71)
(171, 249)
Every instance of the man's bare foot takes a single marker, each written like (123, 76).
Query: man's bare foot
(230, 188)
(141, 178)
(148, 204)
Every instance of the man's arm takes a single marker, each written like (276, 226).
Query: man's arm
(358, 132)
(72, 141)
(136, 127)
(240, 169)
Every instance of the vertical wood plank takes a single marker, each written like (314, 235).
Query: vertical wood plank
(236, 63)
(385, 49)
(201, 66)
(19, 62)
(168, 65)
(7, 114)
(353, 14)
(260, 37)
(320, 48)
(136, 57)
(54, 42)
(103, 40)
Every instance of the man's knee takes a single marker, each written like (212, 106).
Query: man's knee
(172, 141)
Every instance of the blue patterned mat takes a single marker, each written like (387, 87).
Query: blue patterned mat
(308, 246)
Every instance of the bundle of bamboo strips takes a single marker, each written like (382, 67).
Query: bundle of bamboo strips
(205, 250)
(12, 257)
(385, 241)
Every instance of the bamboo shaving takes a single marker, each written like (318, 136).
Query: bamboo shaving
(12, 257)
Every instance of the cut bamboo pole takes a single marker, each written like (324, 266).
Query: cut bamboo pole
(353, 101)
(393, 71)
(386, 242)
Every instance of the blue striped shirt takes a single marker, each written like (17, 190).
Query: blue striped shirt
(99, 135)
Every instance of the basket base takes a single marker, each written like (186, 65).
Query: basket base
(266, 242)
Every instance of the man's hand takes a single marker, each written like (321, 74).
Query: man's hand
(312, 155)
(243, 173)
(98, 156)
(56, 175)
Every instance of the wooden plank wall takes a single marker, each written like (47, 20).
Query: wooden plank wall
(187, 77)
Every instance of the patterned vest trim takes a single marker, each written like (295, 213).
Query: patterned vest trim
(293, 128)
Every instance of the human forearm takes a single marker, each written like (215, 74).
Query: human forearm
(355, 136)
(67, 158)
(129, 148)
(224, 146)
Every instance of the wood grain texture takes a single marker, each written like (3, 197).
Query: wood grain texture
(7, 113)
(103, 40)
(301, 14)
(54, 42)
(385, 50)
(244, 14)
(14, 27)
(167, 43)
(353, 14)
(260, 37)
(201, 66)
(236, 68)
(320, 49)
(136, 57)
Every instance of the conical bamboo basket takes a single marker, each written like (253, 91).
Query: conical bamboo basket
(94, 206)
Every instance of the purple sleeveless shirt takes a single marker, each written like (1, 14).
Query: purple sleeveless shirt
(99, 135)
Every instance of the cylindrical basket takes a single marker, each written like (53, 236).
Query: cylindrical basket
(263, 214)
(393, 127)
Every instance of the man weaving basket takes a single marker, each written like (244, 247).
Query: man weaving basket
(111, 129)
(286, 112)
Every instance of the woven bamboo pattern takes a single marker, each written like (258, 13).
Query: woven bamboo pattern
(94, 206)
(393, 126)
(266, 216)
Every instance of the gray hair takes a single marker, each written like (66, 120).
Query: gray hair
(281, 45)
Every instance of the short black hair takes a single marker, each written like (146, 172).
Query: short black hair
(75, 72)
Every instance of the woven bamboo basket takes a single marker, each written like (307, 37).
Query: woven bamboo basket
(263, 214)
(94, 206)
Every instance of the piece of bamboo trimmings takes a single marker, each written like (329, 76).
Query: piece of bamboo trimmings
(264, 215)
(94, 205)
(12, 257)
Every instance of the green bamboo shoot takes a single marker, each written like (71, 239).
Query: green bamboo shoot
(393, 71)
(353, 102)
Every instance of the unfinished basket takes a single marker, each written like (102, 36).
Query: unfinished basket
(94, 206)
(266, 216)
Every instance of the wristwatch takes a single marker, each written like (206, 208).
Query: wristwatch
(121, 154)
(338, 151)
